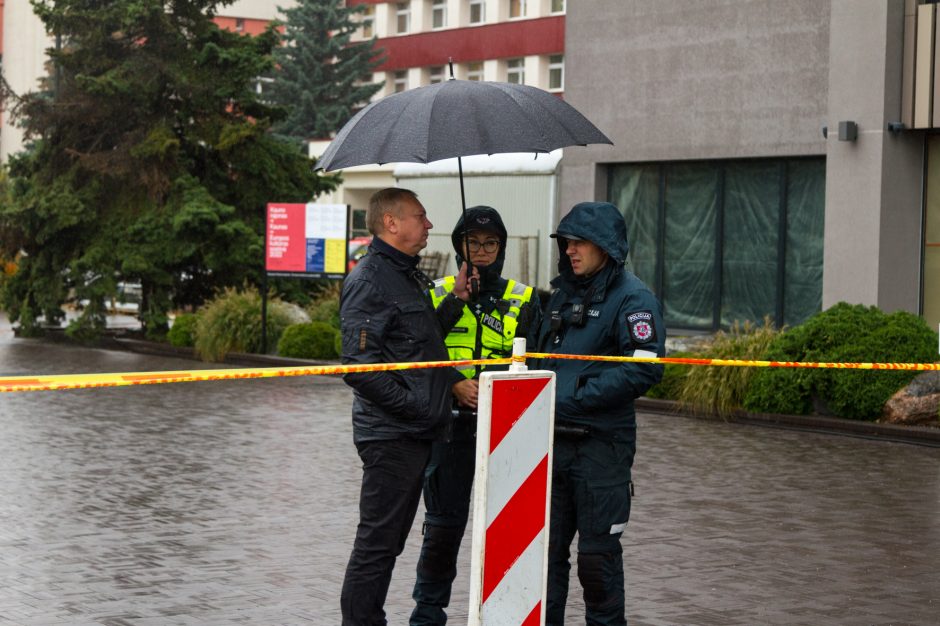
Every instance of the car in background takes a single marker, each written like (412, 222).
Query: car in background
(358, 246)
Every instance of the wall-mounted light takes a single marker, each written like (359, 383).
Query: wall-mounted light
(896, 127)
(848, 131)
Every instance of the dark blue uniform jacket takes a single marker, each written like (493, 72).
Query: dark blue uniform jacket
(619, 316)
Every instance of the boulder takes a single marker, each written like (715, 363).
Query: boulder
(917, 403)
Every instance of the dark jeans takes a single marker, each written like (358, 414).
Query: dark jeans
(392, 476)
(447, 485)
(591, 491)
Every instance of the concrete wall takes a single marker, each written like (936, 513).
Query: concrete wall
(694, 79)
(873, 239)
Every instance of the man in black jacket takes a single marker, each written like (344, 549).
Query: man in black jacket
(387, 317)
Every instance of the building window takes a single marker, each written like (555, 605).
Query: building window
(401, 81)
(239, 25)
(475, 71)
(477, 11)
(368, 19)
(516, 8)
(515, 71)
(726, 241)
(439, 14)
(558, 6)
(931, 250)
(402, 17)
(436, 74)
(556, 72)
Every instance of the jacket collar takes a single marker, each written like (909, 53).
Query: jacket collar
(406, 261)
(574, 286)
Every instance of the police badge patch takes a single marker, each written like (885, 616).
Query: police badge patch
(641, 326)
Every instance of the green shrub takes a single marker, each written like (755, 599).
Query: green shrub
(673, 375)
(312, 340)
(844, 333)
(232, 323)
(325, 308)
(182, 333)
(720, 389)
(338, 344)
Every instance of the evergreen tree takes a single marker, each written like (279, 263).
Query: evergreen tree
(320, 77)
(151, 162)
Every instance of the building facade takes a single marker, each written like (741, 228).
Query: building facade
(759, 155)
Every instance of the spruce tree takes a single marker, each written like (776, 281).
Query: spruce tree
(151, 162)
(320, 77)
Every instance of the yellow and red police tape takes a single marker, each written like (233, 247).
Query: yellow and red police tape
(87, 381)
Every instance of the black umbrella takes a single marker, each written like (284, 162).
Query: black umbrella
(458, 118)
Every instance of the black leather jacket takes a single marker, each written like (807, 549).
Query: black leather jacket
(387, 317)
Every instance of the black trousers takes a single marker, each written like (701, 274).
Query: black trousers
(392, 477)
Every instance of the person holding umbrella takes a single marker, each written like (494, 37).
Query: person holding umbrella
(597, 308)
(502, 310)
(387, 317)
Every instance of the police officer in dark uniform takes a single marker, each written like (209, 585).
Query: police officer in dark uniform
(597, 308)
(502, 310)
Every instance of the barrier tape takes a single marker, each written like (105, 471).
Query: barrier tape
(89, 381)
(740, 362)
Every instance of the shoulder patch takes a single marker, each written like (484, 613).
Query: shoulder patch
(642, 329)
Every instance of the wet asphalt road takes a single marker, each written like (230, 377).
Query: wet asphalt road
(235, 503)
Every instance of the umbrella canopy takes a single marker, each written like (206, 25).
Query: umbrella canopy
(458, 118)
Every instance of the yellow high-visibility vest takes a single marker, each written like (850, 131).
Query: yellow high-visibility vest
(496, 330)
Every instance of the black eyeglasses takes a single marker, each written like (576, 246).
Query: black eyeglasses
(490, 245)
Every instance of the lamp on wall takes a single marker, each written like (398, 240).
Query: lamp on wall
(848, 131)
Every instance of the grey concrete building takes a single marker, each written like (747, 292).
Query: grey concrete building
(739, 205)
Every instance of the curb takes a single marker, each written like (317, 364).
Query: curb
(920, 435)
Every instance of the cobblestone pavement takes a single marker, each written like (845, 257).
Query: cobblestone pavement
(235, 503)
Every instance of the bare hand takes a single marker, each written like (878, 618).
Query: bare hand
(466, 392)
(462, 282)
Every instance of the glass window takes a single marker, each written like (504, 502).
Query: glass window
(239, 25)
(558, 6)
(556, 72)
(516, 8)
(515, 71)
(931, 251)
(436, 74)
(726, 241)
(403, 17)
(475, 71)
(368, 18)
(401, 81)
(477, 11)
(439, 14)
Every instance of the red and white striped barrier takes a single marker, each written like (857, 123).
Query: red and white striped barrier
(509, 562)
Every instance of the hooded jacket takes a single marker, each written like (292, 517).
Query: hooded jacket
(492, 304)
(611, 313)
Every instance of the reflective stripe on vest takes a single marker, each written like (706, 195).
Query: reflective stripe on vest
(461, 341)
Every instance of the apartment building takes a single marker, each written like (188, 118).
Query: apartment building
(516, 41)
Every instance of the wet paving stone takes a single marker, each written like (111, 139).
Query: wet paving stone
(235, 502)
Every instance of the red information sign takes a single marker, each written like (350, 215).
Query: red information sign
(285, 245)
(306, 239)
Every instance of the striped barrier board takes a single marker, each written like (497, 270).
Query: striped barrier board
(512, 494)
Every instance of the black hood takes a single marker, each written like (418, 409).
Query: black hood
(488, 219)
